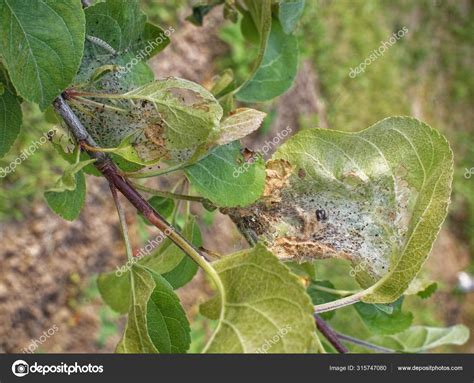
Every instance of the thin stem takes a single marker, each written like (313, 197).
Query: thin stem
(174, 218)
(123, 222)
(155, 173)
(171, 195)
(334, 291)
(78, 155)
(220, 288)
(110, 171)
(363, 343)
(330, 335)
(95, 149)
(99, 104)
(346, 301)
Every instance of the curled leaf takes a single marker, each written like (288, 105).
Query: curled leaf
(239, 124)
(376, 198)
(170, 119)
(289, 13)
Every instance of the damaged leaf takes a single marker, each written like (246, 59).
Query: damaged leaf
(239, 124)
(376, 198)
(169, 119)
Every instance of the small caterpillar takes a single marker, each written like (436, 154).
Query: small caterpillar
(101, 43)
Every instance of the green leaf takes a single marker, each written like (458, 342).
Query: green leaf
(277, 70)
(248, 28)
(266, 308)
(128, 151)
(239, 124)
(417, 285)
(68, 204)
(50, 116)
(152, 33)
(68, 179)
(303, 269)
(422, 339)
(384, 322)
(42, 43)
(260, 11)
(289, 13)
(186, 268)
(170, 119)
(118, 34)
(167, 324)
(376, 198)
(10, 120)
(319, 297)
(136, 338)
(122, 25)
(428, 291)
(223, 81)
(182, 274)
(169, 256)
(164, 206)
(156, 320)
(71, 155)
(114, 288)
(226, 178)
(255, 27)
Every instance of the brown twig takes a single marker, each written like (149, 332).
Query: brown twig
(110, 171)
(330, 334)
